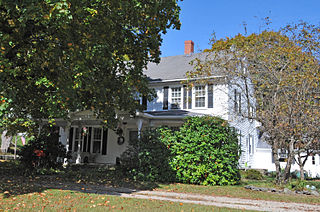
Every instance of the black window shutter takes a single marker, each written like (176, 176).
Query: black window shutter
(104, 141)
(235, 101)
(165, 98)
(144, 102)
(185, 99)
(89, 139)
(210, 96)
(272, 159)
(189, 97)
(71, 138)
(239, 102)
(85, 140)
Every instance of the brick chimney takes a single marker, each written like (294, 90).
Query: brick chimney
(188, 47)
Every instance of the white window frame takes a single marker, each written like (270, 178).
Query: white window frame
(251, 113)
(172, 97)
(81, 138)
(251, 144)
(204, 95)
(93, 139)
(237, 102)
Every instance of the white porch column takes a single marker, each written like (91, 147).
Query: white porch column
(139, 125)
(67, 133)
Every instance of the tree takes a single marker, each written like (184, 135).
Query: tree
(60, 56)
(278, 74)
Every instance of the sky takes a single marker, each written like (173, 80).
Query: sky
(226, 18)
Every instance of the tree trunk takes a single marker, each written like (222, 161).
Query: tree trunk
(286, 173)
(302, 162)
(277, 164)
(301, 173)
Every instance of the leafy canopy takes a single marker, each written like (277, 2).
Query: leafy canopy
(278, 74)
(60, 56)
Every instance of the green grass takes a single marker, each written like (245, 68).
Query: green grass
(240, 192)
(64, 200)
(17, 190)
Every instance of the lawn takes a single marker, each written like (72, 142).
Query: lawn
(64, 200)
(240, 191)
(20, 192)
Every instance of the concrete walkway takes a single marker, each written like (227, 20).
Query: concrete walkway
(218, 201)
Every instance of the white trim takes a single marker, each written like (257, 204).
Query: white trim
(205, 97)
(180, 106)
(184, 79)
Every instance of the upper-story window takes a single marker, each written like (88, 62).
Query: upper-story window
(200, 96)
(237, 102)
(176, 98)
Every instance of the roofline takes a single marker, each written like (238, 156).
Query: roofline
(149, 116)
(184, 79)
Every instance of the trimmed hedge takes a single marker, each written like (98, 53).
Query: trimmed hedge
(203, 151)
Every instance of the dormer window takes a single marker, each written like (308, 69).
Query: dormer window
(176, 98)
(200, 96)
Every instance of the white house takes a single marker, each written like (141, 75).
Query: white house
(89, 142)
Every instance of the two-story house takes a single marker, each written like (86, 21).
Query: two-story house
(175, 100)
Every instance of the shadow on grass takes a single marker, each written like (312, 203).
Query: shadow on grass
(15, 181)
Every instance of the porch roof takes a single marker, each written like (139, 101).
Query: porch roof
(172, 113)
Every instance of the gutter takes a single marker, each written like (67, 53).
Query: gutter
(184, 79)
(148, 116)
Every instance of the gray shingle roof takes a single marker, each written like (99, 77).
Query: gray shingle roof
(171, 68)
(182, 113)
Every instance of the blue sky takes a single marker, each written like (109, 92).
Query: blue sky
(200, 18)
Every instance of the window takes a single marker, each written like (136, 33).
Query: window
(251, 113)
(77, 140)
(176, 98)
(97, 137)
(200, 96)
(237, 101)
(313, 160)
(133, 135)
(239, 136)
(251, 144)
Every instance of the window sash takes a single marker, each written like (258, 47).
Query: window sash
(91, 142)
(200, 96)
(176, 96)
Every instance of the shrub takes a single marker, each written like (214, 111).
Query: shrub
(253, 174)
(147, 159)
(297, 185)
(43, 153)
(205, 151)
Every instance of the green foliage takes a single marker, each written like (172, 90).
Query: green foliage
(297, 185)
(44, 153)
(205, 151)
(253, 174)
(68, 55)
(282, 77)
(148, 159)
